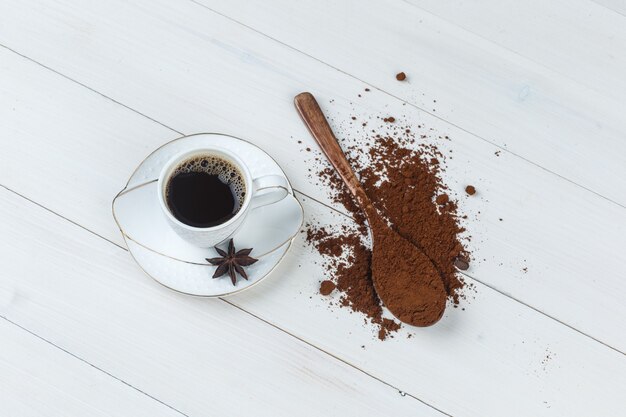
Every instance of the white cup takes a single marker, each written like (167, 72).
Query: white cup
(260, 192)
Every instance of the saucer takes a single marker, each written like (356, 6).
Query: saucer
(181, 266)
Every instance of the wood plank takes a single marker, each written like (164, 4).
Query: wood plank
(201, 356)
(518, 104)
(549, 225)
(577, 39)
(39, 379)
(86, 296)
(617, 6)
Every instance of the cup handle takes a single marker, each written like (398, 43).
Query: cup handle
(268, 189)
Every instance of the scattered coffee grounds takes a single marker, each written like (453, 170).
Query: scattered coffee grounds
(442, 199)
(348, 262)
(387, 326)
(400, 76)
(326, 287)
(461, 263)
(401, 174)
(470, 190)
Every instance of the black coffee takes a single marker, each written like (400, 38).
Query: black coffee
(205, 191)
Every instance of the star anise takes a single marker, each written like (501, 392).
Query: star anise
(232, 262)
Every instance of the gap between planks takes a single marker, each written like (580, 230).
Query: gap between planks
(605, 4)
(78, 357)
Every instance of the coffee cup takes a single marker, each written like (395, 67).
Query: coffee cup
(206, 193)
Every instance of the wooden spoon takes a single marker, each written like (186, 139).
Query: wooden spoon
(404, 277)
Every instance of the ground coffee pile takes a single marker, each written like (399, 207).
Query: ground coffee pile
(401, 175)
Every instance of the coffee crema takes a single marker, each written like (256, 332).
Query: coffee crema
(205, 191)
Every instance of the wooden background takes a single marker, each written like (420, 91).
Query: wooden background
(88, 88)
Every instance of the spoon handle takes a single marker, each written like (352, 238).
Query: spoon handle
(322, 133)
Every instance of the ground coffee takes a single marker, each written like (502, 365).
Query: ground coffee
(401, 175)
(326, 287)
(405, 279)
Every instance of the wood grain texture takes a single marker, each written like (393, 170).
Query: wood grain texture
(517, 103)
(549, 225)
(618, 6)
(200, 356)
(191, 70)
(114, 312)
(39, 379)
(575, 39)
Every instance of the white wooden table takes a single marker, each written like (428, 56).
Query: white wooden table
(89, 88)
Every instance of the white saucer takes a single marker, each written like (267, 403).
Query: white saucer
(177, 264)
